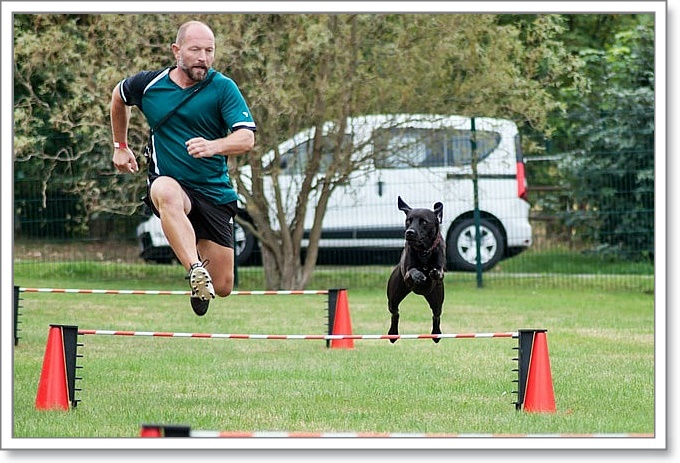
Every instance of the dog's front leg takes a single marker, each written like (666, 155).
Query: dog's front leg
(396, 292)
(394, 325)
(436, 329)
(436, 301)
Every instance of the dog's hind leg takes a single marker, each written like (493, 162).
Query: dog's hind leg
(396, 292)
(436, 300)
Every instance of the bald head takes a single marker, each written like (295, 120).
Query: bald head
(193, 28)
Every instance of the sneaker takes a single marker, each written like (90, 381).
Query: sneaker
(201, 288)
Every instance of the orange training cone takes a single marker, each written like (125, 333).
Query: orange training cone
(539, 397)
(342, 323)
(53, 386)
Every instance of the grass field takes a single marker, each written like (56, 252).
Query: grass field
(601, 345)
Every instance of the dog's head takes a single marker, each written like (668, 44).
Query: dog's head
(422, 225)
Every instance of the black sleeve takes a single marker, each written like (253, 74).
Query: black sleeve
(132, 88)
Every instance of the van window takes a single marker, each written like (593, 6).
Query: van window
(399, 148)
(294, 161)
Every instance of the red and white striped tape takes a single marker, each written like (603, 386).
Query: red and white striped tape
(275, 434)
(286, 434)
(170, 293)
(162, 334)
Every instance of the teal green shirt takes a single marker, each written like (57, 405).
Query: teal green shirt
(212, 113)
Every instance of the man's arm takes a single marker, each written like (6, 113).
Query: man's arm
(238, 142)
(123, 157)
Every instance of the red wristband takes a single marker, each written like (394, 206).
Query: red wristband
(119, 145)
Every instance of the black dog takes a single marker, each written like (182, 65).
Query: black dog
(422, 265)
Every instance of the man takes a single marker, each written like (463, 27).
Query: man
(188, 185)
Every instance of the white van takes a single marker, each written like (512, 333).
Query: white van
(424, 159)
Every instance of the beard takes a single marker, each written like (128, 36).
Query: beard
(195, 73)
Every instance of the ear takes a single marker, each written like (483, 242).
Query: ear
(439, 211)
(402, 205)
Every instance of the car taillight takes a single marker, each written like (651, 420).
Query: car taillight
(522, 191)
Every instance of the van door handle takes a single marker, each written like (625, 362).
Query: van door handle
(380, 187)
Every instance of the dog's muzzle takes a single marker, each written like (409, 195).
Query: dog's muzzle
(410, 235)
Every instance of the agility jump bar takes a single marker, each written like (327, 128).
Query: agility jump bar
(161, 334)
(154, 430)
(170, 293)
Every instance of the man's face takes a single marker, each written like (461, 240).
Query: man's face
(196, 54)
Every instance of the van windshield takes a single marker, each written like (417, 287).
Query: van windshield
(398, 148)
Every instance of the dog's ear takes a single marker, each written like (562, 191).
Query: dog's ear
(402, 205)
(439, 211)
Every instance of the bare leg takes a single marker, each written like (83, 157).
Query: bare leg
(220, 265)
(174, 205)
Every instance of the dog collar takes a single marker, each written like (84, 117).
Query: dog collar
(436, 242)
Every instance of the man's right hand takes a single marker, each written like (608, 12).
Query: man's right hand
(124, 160)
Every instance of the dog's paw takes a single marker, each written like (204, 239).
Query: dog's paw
(437, 274)
(417, 276)
(436, 329)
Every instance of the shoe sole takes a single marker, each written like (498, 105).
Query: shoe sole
(199, 306)
(201, 284)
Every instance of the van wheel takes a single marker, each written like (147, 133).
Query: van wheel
(462, 247)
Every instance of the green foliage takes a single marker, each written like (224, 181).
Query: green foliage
(65, 69)
(611, 174)
(601, 187)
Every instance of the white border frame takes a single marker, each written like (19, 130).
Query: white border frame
(659, 442)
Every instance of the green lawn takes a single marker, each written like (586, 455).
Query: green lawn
(601, 345)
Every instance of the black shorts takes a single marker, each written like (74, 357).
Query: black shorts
(210, 221)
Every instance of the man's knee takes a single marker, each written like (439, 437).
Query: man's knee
(166, 193)
(223, 292)
(224, 289)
